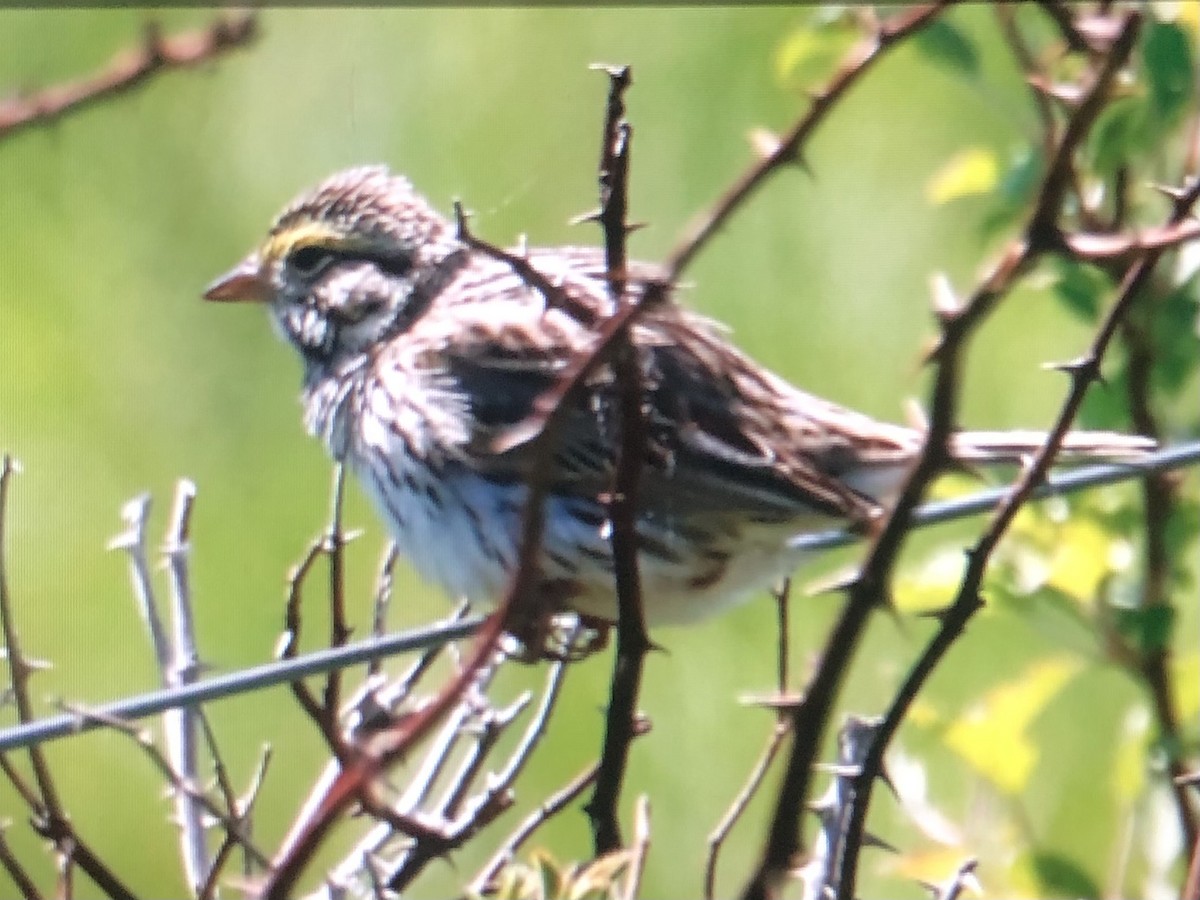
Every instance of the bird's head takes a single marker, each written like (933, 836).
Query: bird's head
(346, 265)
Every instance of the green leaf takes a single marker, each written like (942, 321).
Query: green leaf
(1016, 187)
(968, 172)
(1080, 287)
(1170, 69)
(1059, 876)
(1148, 628)
(947, 46)
(1176, 343)
(1118, 132)
(811, 54)
(1104, 404)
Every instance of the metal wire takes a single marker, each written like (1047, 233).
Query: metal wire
(321, 661)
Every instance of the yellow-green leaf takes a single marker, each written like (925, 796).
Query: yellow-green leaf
(810, 55)
(971, 171)
(1086, 554)
(1185, 678)
(991, 734)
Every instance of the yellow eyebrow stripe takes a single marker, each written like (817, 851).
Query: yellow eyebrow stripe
(308, 234)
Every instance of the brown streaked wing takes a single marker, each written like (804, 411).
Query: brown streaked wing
(719, 430)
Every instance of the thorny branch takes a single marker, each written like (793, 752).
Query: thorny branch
(130, 69)
(632, 641)
(1083, 372)
(869, 589)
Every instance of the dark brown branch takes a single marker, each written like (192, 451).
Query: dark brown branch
(128, 70)
(290, 646)
(1159, 498)
(632, 642)
(869, 590)
(16, 872)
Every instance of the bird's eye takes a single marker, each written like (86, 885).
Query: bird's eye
(309, 261)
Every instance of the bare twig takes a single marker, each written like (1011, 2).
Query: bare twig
(339, 631)
(128, 70)
(180, 726)
(48, 816)
(758, 773)
(551, 807)
(229, 820)
(289, 647)
(754, 781)
(383, 597)
(641, 848)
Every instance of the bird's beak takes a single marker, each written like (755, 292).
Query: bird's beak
(241, 284)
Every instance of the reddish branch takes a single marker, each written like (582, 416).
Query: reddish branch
(128, 70)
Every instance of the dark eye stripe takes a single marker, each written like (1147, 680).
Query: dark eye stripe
(311, 260)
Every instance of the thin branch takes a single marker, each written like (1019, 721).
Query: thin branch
(339, 630)
(180, 726)
(737, 808)
(553, 805)
(128, 70)
(48, 817)
(229, 820)
(788, 149)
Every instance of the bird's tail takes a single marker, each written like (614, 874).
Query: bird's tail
(1012, 446)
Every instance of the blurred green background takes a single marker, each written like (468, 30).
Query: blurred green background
(116, 379)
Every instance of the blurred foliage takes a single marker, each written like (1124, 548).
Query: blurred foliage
(114, 378)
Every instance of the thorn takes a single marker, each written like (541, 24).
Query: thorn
(636, 226)
(764, 142)
(938, 615)
(1171, 192)
(833, 583)
(871, 840)
(946, 304)
(786, 702)
(1066, 93)
(460, 221)
(914, 414)
(584, 218)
